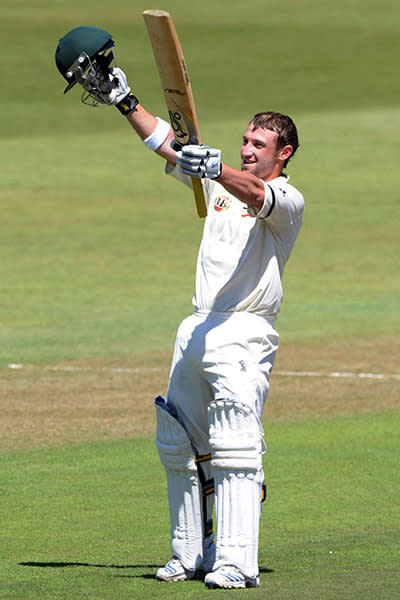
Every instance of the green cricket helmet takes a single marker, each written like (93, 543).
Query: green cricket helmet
(82, 49)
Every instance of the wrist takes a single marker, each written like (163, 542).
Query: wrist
(127, 104)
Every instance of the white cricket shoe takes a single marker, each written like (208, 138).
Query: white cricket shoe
(230, 577)
(174, 571)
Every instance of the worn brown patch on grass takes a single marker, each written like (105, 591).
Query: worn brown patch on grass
(104, 400)
(317, 396)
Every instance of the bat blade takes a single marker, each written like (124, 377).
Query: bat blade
(176, 86)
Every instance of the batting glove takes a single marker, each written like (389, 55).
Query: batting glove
(199, 161)
(119, 86)
(110, 87)
(121, 95)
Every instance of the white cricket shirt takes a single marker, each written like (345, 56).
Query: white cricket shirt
(242, 256)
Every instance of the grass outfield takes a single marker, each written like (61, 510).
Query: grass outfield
(98, 251)
(87, 521)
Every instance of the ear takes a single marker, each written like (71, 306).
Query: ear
(285, 152)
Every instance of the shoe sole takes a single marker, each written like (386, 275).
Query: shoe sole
(238, 585)
(173, 579)
(215, 586)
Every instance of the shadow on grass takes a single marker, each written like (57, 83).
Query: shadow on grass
(58, 565)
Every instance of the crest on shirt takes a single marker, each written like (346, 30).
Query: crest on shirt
(222, 203)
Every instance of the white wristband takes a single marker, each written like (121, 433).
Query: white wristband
(159, 135)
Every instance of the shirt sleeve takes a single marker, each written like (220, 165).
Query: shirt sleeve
(172, 170)
(208, 184)
(268, 206)
(283, 204)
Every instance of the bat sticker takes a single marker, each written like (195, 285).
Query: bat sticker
(178, 119)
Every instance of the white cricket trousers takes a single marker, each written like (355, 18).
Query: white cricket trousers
(220, 356)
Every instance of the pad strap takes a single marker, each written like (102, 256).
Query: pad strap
(207, 488)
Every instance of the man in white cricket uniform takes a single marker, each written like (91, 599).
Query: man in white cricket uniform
(209, 434)
(222, 361)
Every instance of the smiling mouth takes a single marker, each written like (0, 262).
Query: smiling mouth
(247, 163)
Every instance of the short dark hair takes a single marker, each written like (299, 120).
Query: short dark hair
(282, 125)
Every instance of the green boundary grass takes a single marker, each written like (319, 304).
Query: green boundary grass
(87, 521)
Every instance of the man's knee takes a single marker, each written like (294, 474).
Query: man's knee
(236, 436)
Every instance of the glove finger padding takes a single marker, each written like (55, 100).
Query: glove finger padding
(189, 161)
(195, 150)
(199, 161)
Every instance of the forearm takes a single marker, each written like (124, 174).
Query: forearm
(144, 123)
(244, 186)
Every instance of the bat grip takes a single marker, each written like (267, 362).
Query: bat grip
(199, 197)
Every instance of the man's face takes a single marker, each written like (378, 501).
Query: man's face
(259, 154)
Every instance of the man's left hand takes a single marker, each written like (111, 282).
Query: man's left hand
(199, 161)
(108, 86)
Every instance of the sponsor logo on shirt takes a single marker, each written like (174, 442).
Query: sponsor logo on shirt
(222, 203)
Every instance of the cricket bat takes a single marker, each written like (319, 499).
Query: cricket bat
(176, 86)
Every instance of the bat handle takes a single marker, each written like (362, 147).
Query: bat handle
(199, 197)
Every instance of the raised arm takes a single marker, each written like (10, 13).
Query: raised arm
(156, 133)
(150, 128)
